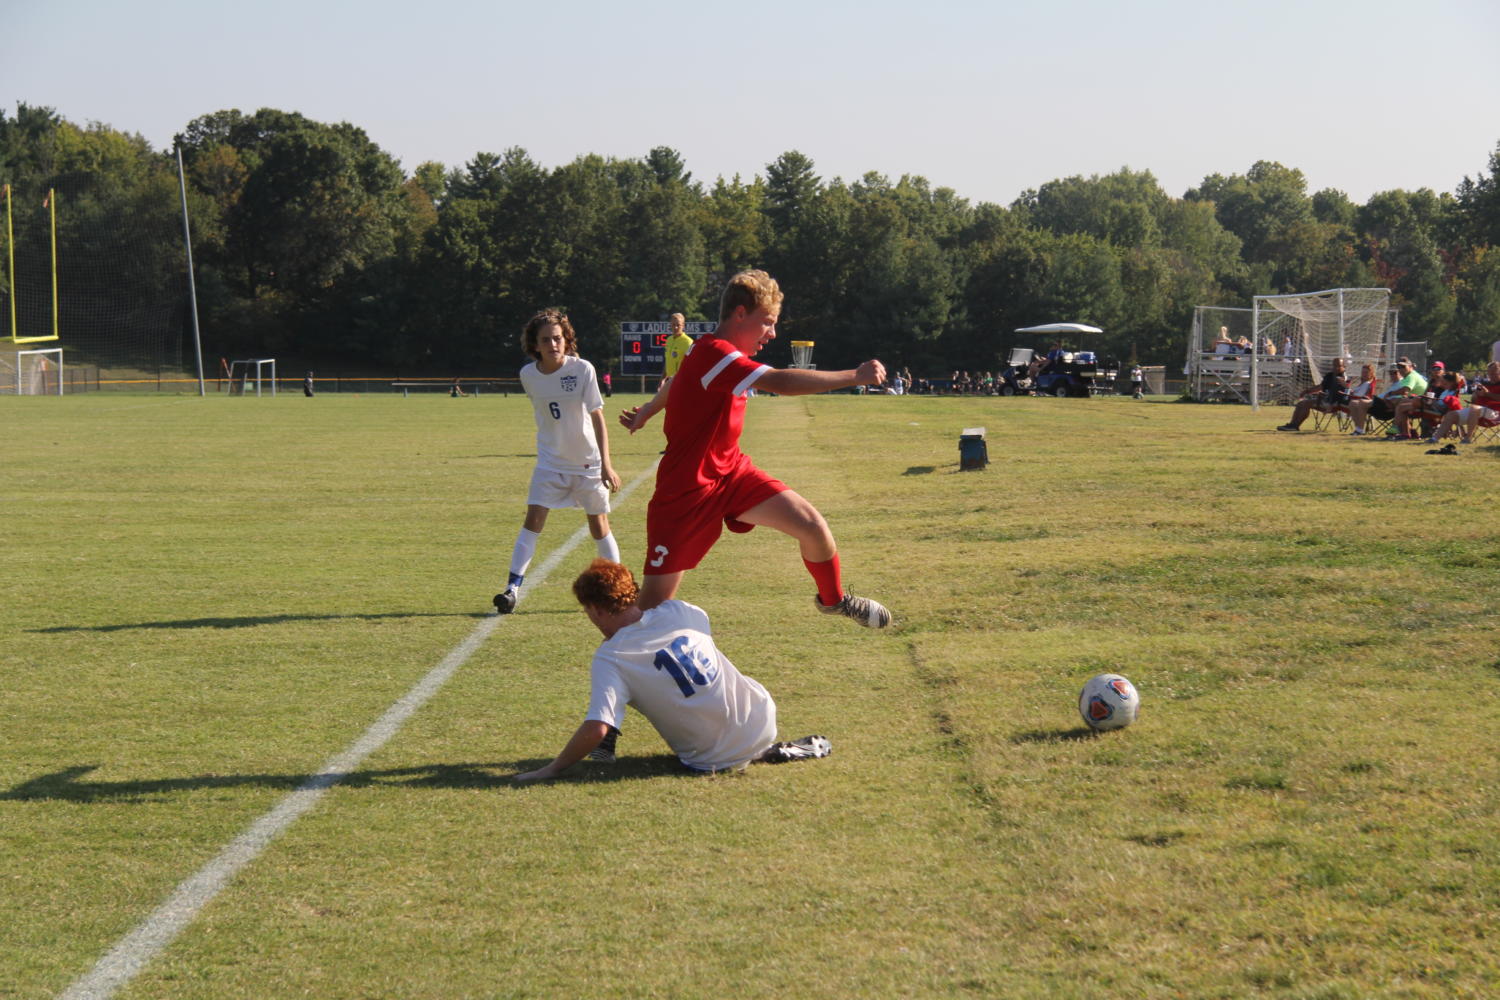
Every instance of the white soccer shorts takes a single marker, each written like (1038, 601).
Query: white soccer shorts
(557, 490)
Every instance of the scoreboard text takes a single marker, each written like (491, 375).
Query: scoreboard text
(643, 346)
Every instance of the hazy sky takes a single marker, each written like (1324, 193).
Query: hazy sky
(986, 98)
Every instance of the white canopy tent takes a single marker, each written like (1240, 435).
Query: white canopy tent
(1060, 328)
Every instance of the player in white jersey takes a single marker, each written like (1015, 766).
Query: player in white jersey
(664, 663)
(572, 445)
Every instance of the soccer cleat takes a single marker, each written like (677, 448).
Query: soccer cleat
(870, 614)
(807, 748)
(505, 601)
(604, 753)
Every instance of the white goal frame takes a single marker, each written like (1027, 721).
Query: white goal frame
(239, 375)
(1292, 340)
(33, 376)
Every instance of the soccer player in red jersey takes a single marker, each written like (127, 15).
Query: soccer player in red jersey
(705, 483)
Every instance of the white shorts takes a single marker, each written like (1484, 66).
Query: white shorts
(556, 490)
(1485, 413)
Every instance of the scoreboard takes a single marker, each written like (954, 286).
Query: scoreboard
(643, 346)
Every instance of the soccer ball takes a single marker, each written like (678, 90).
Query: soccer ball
(1108, 701)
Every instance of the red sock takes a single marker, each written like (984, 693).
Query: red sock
(826, 575)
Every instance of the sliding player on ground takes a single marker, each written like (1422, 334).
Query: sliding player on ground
(663, 662)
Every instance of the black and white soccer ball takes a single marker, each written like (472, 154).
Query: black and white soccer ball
(1108, 701)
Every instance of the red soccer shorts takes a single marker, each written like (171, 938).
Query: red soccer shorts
(680, 531)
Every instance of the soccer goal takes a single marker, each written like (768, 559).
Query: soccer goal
(258, 370)
(33, 373)
(1313, 329)
(1283, 344)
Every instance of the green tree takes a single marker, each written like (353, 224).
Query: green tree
(736, 231)
(1479, 205)
(1401, 232)
(791, 185)
(1476, 318)
(1259, 207)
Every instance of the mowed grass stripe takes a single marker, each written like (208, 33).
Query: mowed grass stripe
(127, 958)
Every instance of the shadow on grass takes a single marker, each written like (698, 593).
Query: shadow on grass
(919, 470)
(1054, 735)
(66, 785)
(250, 621)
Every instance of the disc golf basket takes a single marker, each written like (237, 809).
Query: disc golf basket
(802, 351)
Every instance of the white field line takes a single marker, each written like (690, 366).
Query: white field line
(135, 950)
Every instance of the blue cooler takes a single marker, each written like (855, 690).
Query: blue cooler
(972, 451)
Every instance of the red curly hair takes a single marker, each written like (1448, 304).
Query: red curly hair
(606, 585)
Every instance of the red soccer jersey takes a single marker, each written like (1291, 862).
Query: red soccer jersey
(705, 414)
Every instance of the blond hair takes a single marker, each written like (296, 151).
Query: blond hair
(751, 289)
(545, 318)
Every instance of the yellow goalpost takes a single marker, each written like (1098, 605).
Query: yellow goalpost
(10, 252)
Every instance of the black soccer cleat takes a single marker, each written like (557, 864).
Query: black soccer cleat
(807, 748)
(604, 753)
(870, 614)
(505, 601)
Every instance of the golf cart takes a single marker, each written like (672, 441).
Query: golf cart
(1062, 371)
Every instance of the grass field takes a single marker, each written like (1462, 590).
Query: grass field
(207, 599)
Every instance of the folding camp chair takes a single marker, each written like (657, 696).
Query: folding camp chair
(1335, 418)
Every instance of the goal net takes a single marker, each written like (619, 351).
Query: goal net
(257, 372)
(99, 272)
(1309, 331)
(33, 373)
(1282, 344)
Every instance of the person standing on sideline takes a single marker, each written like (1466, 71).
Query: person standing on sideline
(663, 663)
(705, 483)
(678, 346)
(572, 445)
(307, 384)
(608, 385)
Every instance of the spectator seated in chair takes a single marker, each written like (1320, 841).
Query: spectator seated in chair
(1364, 390)
(1440, 398)
(1483, 408)
(1332, 392)
(1406, 381)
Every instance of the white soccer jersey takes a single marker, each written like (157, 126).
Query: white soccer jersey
(667, 667)
(562, 402)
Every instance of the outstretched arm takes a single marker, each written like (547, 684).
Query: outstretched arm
(635, 418)
(585, 738)
(806, 382)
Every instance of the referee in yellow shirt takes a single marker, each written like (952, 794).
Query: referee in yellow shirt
(678, 345)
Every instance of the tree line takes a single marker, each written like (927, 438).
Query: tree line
(312, 244)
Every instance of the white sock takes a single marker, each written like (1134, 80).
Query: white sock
(520, 556)
(608, 548)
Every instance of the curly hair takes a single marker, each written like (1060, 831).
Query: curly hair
(751, 289)
(545, 318)
(606, 585)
